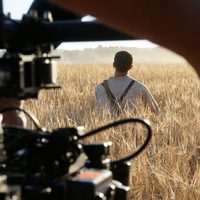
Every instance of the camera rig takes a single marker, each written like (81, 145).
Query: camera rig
(38, 164)
(27, 65)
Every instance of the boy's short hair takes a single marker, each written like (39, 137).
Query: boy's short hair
(123, 60)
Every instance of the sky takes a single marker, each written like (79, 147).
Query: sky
(19, 7)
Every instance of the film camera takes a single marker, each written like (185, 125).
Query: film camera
(43, 165)
(37, 164)
(28, 65)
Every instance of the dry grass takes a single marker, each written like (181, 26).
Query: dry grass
(168, 169)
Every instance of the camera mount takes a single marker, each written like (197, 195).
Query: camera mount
(28, 66)
(35, 164)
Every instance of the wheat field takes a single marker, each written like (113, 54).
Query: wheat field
(169, 168)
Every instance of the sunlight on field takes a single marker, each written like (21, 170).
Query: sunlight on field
(168, 168)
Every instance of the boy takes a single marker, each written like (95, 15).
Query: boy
(121, 89)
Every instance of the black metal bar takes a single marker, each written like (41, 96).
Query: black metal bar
(80, 31)
(1, 8)
(20, 35)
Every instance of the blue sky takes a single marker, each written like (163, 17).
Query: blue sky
(19, 7)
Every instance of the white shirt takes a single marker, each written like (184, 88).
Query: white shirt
(138, 92)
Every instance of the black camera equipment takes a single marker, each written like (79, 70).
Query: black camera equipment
(39, 164)
(27, 65)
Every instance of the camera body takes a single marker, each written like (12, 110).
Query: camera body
(22, 76)
(54, 165)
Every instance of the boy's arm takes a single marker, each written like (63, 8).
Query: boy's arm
(149, 101)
